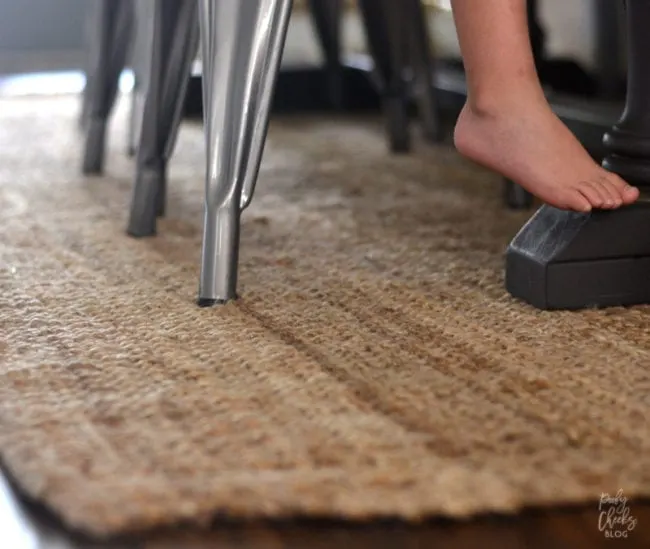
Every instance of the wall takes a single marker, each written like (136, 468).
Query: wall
(40, 34)
(35, 34)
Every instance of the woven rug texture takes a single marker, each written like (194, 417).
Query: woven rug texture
(374, 366)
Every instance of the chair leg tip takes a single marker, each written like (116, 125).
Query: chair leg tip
(140, 232)
(516, 197)
(92, 170)
(205, 302)
(434, 135)
(400, 147)
(94, 146)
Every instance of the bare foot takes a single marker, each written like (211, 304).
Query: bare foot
(532, 147)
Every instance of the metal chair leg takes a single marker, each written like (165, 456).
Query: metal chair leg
(91, 46)
(141, 56)
(239, 74)
(516, 197)
(175, 43)
(421, 62)
(114, 23)
(134, 120)
(326, 15)
(384, 24)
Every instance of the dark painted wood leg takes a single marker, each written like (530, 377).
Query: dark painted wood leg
(608, 47)
(566, 260)
(114, 26)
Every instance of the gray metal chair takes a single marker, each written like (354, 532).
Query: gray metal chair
(173, 47)
(238, 81)
(251, 36)
(326, 15)
(398, 40)
(174, 44)
(245, 64)
(107, 56)
(141, 63)
(123, 27)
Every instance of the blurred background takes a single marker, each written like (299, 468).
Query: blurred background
(48, 35)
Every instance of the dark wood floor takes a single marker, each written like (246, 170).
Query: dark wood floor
(25, 526)
(576, 529)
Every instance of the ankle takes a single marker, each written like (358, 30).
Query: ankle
(484, 108)
(465, 135)
(504, 104)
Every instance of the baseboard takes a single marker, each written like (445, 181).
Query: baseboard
(24, 62)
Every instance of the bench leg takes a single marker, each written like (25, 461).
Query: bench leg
(242, 43)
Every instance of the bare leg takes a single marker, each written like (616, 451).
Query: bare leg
(508, 126)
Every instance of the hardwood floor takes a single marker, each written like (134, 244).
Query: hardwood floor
(576, 529)
(25, 526)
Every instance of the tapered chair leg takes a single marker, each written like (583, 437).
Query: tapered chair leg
(141, 56)
(422, 64)
(91, 47)
(114, 23)
(239, 76)
(326, 15)
(174, 47)
(384, 21)
(134, 119)
(516, 197)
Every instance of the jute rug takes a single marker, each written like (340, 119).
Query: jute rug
(374, 366)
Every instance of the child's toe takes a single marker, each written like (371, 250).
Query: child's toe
(578, 201)
(627, 192)
(592, 193)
